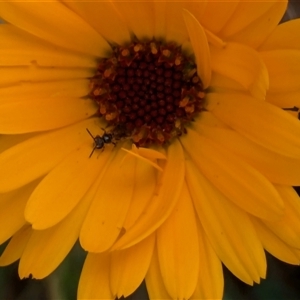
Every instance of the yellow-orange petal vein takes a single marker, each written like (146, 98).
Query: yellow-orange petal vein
(19, 48)
(46, 249)
(162, 204)
(61, 190)
(243, 65)
(129, 267)
(94, 282)
(110, 205)
(237, 246)
(16, 246)
(55, 23)
(22, 158)
(211, 281)
(178, 249)
(12, 207)
(277, 168)
(259, 121)
(44, 114)
(252, 192)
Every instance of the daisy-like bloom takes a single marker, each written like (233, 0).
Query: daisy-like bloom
(162, 135)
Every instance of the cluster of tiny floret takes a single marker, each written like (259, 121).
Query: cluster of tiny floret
(148, 92)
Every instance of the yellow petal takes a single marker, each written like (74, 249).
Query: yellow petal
(8, 141)
(43, 114)
(236, 179)
(211, 281)
(33, 73)
(208, 119)
(103, 17)
(200, 45)
(18, 48)
(178, 249)
(284, 69)
(288, 227)
(159, 19)
(55, 23)
(139, 16)
(94, 279)
(228, 228)
(277, 168)
(245, 14)
(151, 153)
(285, 36)
(154, 280)
(220, 83)
(262, 27)
(22, 158)
(259, 121)
(16, 246)
(274, 245)
(243, 65)
(162, 203)
(285, 100)
(197, 8)
(256, 32)
(61, 190)
(52, 89)
(175, 25)
(217, 14)
(129, 267)
(150, 156)
(144, 186)
(12, 207)
(110, 205)
(46, 249)
(148, 161)
(214, 40)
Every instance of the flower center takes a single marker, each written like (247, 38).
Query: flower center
(147, 92)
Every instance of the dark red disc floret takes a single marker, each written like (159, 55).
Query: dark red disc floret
(147, 92)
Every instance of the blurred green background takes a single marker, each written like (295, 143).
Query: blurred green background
(282, 283)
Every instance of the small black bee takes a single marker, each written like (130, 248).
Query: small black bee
(100, 141)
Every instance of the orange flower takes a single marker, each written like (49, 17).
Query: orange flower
(179, 194)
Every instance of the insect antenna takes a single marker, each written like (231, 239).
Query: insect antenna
(94, 141)
(90, 134)
(92, 151)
